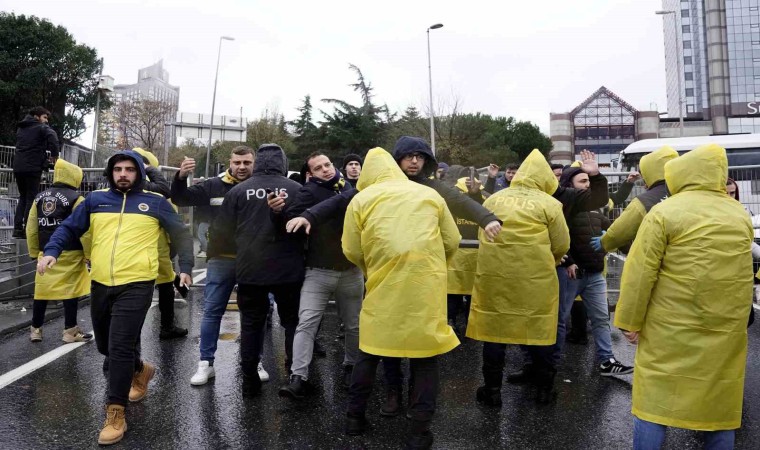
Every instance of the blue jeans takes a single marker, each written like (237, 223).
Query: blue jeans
(566, 298)
(220, 280)
(650, 436)
(593, 290)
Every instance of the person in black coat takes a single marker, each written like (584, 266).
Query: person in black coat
(34, 139)
(268, 258)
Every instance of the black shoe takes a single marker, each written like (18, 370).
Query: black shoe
(614, 367)
(318, 349)
(457, 330)
(419, 441)
(172, 333)
(577, 339)
(524, 375)
(105, 364)
(356, 425)
(18, 234)
(251, 386)
(347, 373)
(488, 396)
(296, 389)
(545, 392)
(392, 406)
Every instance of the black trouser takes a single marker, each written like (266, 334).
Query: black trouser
(118, 313)
(493, 362)
(578, 320)
(70, 307)
(253, 303)
(423, 384)
(28, 186)
(166, 304)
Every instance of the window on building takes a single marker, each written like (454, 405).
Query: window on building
(688, 76)
(686, 45)
(684, 13)
(686, 29)
(687, 60)
(690, 92)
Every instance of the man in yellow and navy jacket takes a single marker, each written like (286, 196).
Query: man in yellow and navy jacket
(125, 222)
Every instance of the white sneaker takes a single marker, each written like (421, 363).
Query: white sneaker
(205, 371)
(263, 375)
(201, 255)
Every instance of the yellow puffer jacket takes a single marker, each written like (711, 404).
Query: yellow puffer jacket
(69, 278)
(687, 288)
(623, 230)
(461, 275)
(401, 234)
(516, 295)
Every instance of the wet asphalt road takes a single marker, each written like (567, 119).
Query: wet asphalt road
(61, 405)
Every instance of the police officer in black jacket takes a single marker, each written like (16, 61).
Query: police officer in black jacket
(34, 138)
(268, 258)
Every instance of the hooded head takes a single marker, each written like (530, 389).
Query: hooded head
(378, 167)
(147, 156)
(119, 156)
(652, 166)
(351, 157)
(453, 174)
(271, 160)
(535, 173)
(66, 173)
(703, 169)
(732, 183)
(406, 145)
(566, 180)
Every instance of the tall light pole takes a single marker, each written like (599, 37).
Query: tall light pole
(213, 100)
(681, 100)
(430, 81)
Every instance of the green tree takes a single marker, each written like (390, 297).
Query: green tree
(271, 127)
(306, 136)
(42, 65)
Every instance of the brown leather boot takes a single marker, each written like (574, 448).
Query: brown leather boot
(392, 406)
(115, 426)
(140, 381)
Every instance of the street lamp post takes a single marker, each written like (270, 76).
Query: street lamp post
(430, 82)
(681, 100)
(213, 100)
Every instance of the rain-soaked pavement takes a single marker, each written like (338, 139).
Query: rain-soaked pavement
(61, 405)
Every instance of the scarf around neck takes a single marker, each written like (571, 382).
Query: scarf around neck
(335, 183)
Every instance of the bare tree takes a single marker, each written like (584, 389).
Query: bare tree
(140, 123)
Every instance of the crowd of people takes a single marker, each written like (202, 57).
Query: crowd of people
(382, 237)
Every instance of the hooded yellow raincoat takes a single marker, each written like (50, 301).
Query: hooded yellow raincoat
(165, 265)
(461, 275)
(401, 234)
(686, 287)
(69, 278)
(516, 295)
(623, 230)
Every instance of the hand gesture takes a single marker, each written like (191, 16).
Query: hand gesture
(633, 176)
(492, 230)
(596, 242)
(276, 202)
(474, 187)
(493, 170)
(45, 263)
(588, 163)
(186, 168)
(295, 224)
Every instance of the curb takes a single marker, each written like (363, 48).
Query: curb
(50, 315)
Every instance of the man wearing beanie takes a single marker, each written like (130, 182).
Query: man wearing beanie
(442, 169)
(352, 168)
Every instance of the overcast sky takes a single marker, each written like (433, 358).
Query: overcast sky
(522, 59)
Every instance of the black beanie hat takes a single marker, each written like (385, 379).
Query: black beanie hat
(350, 158)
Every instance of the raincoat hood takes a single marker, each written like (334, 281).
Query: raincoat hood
(535, 173)
(407, 145)
(652, 166)
(271, 160)
(703, 169)
(152, 160)
(66, 173)
(378, 167)
(140, 169)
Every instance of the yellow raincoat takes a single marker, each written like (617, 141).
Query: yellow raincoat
(69, 277)
(461, 275)
(686, 287)
(401, 234)
(516, 295)
(165, 265)
(623, 230)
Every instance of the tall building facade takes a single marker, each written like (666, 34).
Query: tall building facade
(152, 84)
(717, 43)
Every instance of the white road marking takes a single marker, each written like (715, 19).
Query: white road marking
(200, 276)
(37, 363)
